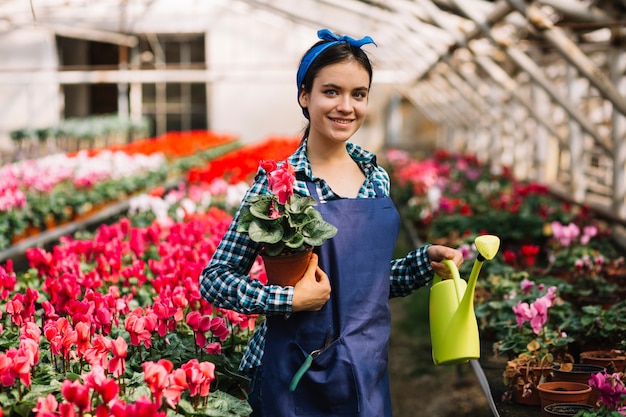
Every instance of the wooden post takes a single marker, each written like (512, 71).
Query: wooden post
(617, 68)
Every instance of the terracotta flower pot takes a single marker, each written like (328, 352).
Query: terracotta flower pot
(565, 410)
(613, 360)
(580, 372)
(532, 376)
(562, 392)
(286, 270)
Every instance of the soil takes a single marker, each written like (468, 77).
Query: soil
(419, 388)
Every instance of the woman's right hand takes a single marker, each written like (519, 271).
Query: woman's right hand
(313, 290)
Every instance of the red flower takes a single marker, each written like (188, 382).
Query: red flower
(97, 380)
(530, 253)
(199, 377)
(83, 338)
(97, 354)
(117, 365)
(176, 384)
(509, 257)
(155, 375)
(76, 393)
(7, 279)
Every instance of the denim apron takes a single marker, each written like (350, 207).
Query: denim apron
(349, 377)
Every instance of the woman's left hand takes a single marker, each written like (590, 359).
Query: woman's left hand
(437, 253)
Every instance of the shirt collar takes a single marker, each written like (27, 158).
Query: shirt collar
(300, 162)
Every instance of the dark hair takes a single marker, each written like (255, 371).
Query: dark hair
(340, 52)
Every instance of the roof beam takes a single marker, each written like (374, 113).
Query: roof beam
(572, 53)
(91, 34)
(490, 67)
(576, 10)
(500, 10)
(527, 64)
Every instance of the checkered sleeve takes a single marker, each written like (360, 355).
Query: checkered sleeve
(410, 273)
(225, 281)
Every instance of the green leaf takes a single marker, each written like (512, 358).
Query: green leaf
(245, 218)
(274, 249)
(221, 404)
(297, 220)
(265, 232)
(295, 241)
(299, 203)
(317, 232)
(261, 209)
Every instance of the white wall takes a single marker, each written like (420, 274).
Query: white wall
(253, 94)
(22, 104)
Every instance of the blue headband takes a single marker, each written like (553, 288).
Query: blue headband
(315, 51)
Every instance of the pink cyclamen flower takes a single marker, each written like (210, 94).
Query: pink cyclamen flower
(199, 377)
(98, 381)
(46, 407)
(98, 353)
(565, 234)
(539, 311)
(526, 285)
(214, 348)
(219, 328)
(588, 233)
(280, 180)
(522, 313)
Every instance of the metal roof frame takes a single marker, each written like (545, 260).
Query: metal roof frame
(467, 65)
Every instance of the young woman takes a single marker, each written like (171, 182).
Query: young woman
(338, 313)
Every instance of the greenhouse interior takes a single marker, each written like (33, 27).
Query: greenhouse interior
(132, 131)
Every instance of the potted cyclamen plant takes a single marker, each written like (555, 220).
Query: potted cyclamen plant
(285, 223)
(531, 345)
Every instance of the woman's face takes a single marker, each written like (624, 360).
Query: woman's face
(337, 103)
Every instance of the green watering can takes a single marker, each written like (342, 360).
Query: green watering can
(453, 325)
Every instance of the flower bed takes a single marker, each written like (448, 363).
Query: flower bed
(37, 194)
(550, 292)
(115, 316)
(113, 323)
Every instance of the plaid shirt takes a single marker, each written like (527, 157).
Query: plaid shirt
(225, 281)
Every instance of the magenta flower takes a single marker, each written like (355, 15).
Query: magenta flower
(611, 389)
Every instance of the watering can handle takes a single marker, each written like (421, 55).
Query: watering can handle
(455, 277)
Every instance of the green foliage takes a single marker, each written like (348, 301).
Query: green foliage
(598, 326)
(295, 225)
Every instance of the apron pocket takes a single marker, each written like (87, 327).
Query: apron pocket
(329, 386)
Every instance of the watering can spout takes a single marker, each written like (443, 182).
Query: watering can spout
(453, 324)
